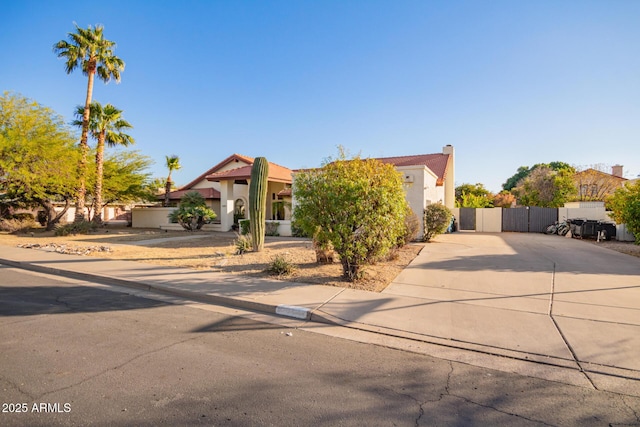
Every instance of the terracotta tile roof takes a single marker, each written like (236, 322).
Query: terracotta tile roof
(437, 163)
(207, 193)
(231, 158)
(277, 173)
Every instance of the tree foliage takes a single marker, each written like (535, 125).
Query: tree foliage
(473, 196)
(525, 171)
(193, 213)
(504, 199)
(546, 187)
(173, 163)
(126, 179)
(357, 205)
(37, 156)
(437, 218)
(625, 207)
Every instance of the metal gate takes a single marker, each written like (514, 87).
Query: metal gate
(467, 219)
(515, 219)
(541, 218)
(528, 220)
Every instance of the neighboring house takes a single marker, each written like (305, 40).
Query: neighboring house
(225, 188)
(594, 185)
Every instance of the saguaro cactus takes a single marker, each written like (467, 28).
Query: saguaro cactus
(258, 201)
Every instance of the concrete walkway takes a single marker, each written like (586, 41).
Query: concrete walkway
(539, 305)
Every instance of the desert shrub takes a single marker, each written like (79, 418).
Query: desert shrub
(324, 251)
(271, 229)
(356, 204)
(17, 225)
(245, 226)
(411, 228)
(297, 230)
(243, 244)
(280, 266)
(193, 212)
(81, 227)
(437, 218)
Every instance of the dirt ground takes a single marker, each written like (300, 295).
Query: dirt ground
(216, 252)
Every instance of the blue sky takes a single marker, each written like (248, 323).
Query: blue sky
(508, 83)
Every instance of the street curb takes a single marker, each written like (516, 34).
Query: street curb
(279, 310)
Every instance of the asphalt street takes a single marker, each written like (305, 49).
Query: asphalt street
(76, 353)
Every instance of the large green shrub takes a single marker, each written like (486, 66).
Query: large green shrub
(193, 213)
(357, 205)
(625, 207)
(437, 218)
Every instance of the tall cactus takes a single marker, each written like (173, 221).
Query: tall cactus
(258, 201)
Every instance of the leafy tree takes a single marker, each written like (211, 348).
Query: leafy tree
(106, 125)
(546, 187)
(89, 50)
(193, 212)
(504, 199)
(473, 196)
(126, 180)
(524, 171)
(37, 157)
(625, 207)
(173, 163)
(357, 205)
(437, 218)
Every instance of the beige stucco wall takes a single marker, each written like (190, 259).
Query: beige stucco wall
(488, 220)
(150, 217)
(596, 214)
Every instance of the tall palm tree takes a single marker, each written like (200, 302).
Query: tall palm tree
(106, 125)
(89, 50)
(173, 163)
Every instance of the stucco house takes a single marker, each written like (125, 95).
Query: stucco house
(595, 185)
(225, 188)
(428, 178)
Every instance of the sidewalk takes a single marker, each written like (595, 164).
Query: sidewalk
(511, 302)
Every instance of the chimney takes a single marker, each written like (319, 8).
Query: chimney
(617, 171)
(450, 177)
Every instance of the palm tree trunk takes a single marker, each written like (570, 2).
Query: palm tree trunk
(167, 190)
(97, 197)
(84, 149)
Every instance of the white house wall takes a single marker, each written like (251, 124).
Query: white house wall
(420, 189)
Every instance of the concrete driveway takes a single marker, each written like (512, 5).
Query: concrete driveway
(551, 297)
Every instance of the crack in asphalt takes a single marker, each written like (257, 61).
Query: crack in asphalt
(448, 393)
(635, 414)
(17, 387)
(115, 368)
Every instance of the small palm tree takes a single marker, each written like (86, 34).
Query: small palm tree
(88, 50)
(173, 163)
(106, 125)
